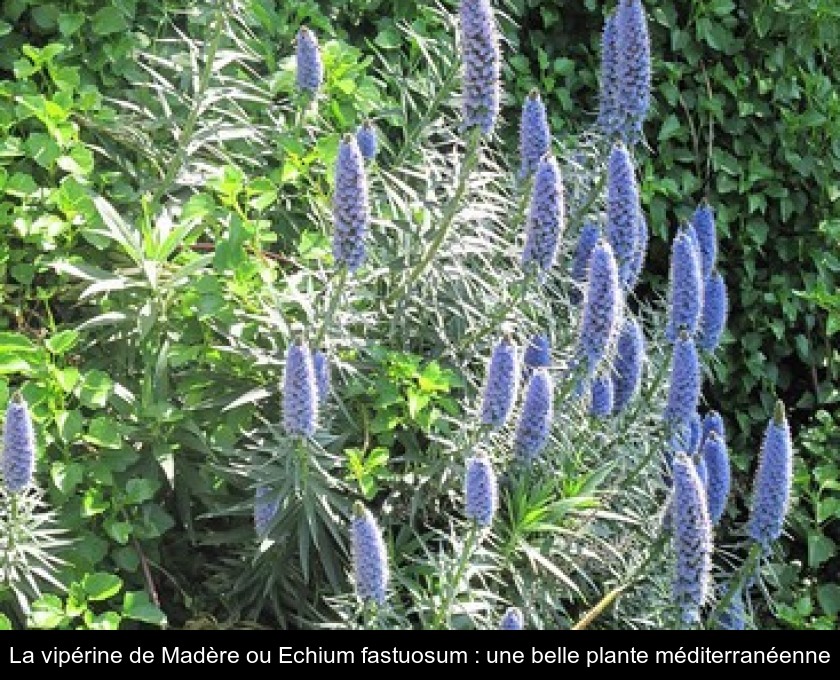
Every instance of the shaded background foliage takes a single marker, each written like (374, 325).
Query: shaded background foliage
(746, 113)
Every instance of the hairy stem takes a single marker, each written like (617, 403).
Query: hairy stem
(449, 213)
(178, 159)
(444, 614)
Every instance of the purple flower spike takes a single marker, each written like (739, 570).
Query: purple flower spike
(589, 235)
(704, 228)
(512, 620)
(602, 396)
(628, 364)
(481, 64)
(266, 505)
(501, 384)
(601, 307)
(300, 392)
(480, 490)
(534, 425)
(546, 218)
(684, 388)
(637, 265)
(370, 557)
(534, 134)
(18, 460)
(692, 540)
(622, 211)
(310, 68)
(773, 479)
(634, 67)
(350, 206)
(366, 139)
(609, 119)
(713, 316)
(685, 295)
(717, 465)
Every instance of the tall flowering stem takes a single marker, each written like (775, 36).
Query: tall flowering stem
(500, 385)
(309, 72)
(450, 211)
(332, 305)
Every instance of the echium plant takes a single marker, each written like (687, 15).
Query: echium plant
(395, 432)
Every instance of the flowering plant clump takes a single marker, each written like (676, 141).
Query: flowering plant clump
(410, 374)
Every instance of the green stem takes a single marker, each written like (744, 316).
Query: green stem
(177, 161)
(634, 576)
(444, 615)
(338, 288)
(442, 93)
(739, 580)
(501, 311)
(451, 209)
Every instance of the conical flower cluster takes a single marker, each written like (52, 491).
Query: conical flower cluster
(501, 384)
(773, 480)
(546, 217)
(704, 229)
(266, 505)
(717, 465)
(713, 315)
(310, 68)
(602, 396)
(534, 134)
(601, 307)
(625, 71)
(589, 236)
(534, 424)
(685, 382)
(300, 391)
(481, 64)
(512, 619)
(622, 212)
(692, 540)
(366, 139)
(685, 295)
(370, 557)
(350, 206)
(18, 460)
(628, 364)
(480, 490)
(634, 67)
